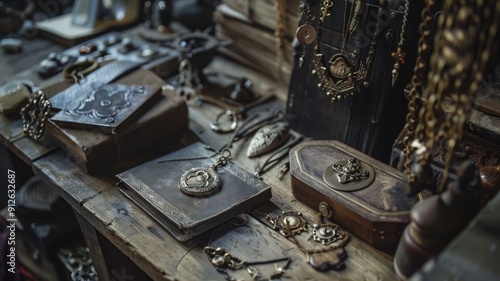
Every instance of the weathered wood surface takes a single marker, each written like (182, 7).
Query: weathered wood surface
(96, 199)
(162, 257)
(21, 66)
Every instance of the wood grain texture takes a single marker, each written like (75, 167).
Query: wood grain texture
(162, 257)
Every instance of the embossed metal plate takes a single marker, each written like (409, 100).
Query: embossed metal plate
(106, 106)
(199, 182)
(349, 175)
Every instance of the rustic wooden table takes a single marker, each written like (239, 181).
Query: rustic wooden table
(105, 215)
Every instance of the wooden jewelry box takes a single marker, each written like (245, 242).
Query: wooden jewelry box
(365, 196)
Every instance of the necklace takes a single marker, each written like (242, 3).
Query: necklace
(202, 181)
(464, 40)
(341, 78)
(415, 93)
(222, 260)
(399, 55)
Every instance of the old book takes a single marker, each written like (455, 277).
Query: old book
(366, 196)
(155, 187)
(93, 149)
(264, 12)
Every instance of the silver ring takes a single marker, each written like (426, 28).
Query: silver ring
(215, 126)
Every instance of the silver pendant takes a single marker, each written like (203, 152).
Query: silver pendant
(268, 138)
(200, 182)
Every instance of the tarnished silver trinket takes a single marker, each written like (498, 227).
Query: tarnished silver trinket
(199, 182)
(268, 138)
(327, 233)
(349, 175)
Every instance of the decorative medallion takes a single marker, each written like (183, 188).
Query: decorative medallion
(288, 223)
(342, 79)
(349, 175)
(35, 114)
(268, 138)
(327, 233)
(306, 34)
(200, 182)
(341, 67)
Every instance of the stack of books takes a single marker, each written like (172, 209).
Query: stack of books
(260, 35)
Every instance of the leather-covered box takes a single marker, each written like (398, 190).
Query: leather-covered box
(365, 196)
(147, 133)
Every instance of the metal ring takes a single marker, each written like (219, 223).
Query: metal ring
(80, 69)
(215, 126)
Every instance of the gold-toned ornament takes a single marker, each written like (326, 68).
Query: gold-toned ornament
(288, 223)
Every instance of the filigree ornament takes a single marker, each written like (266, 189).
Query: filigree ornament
(35, 114)
(350, 170)
(106, 101)
(341, 80)
(349, 175)
(327, 233)
(268, 138)
(288, 223)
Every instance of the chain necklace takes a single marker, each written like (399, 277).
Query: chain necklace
(399, 55)
(415, 93)
(202, 181)
(343, 78)
(465, 36)
(222, 260)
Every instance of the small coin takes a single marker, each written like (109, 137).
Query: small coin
(306, 34)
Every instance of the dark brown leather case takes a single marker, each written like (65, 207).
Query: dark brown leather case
(374, 208)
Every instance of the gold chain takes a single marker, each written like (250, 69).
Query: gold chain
(415, 93)
(463, 43)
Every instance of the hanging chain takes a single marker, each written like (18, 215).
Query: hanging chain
(415, 93)
(465, 35)
(399, 55)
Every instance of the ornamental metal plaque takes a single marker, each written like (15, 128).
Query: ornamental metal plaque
(349, 175)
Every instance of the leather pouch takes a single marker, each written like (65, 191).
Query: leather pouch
(365, 196)
(154, 186)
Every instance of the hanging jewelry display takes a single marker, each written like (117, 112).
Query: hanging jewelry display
(465, 35)
(341, 77)
(399, 55)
